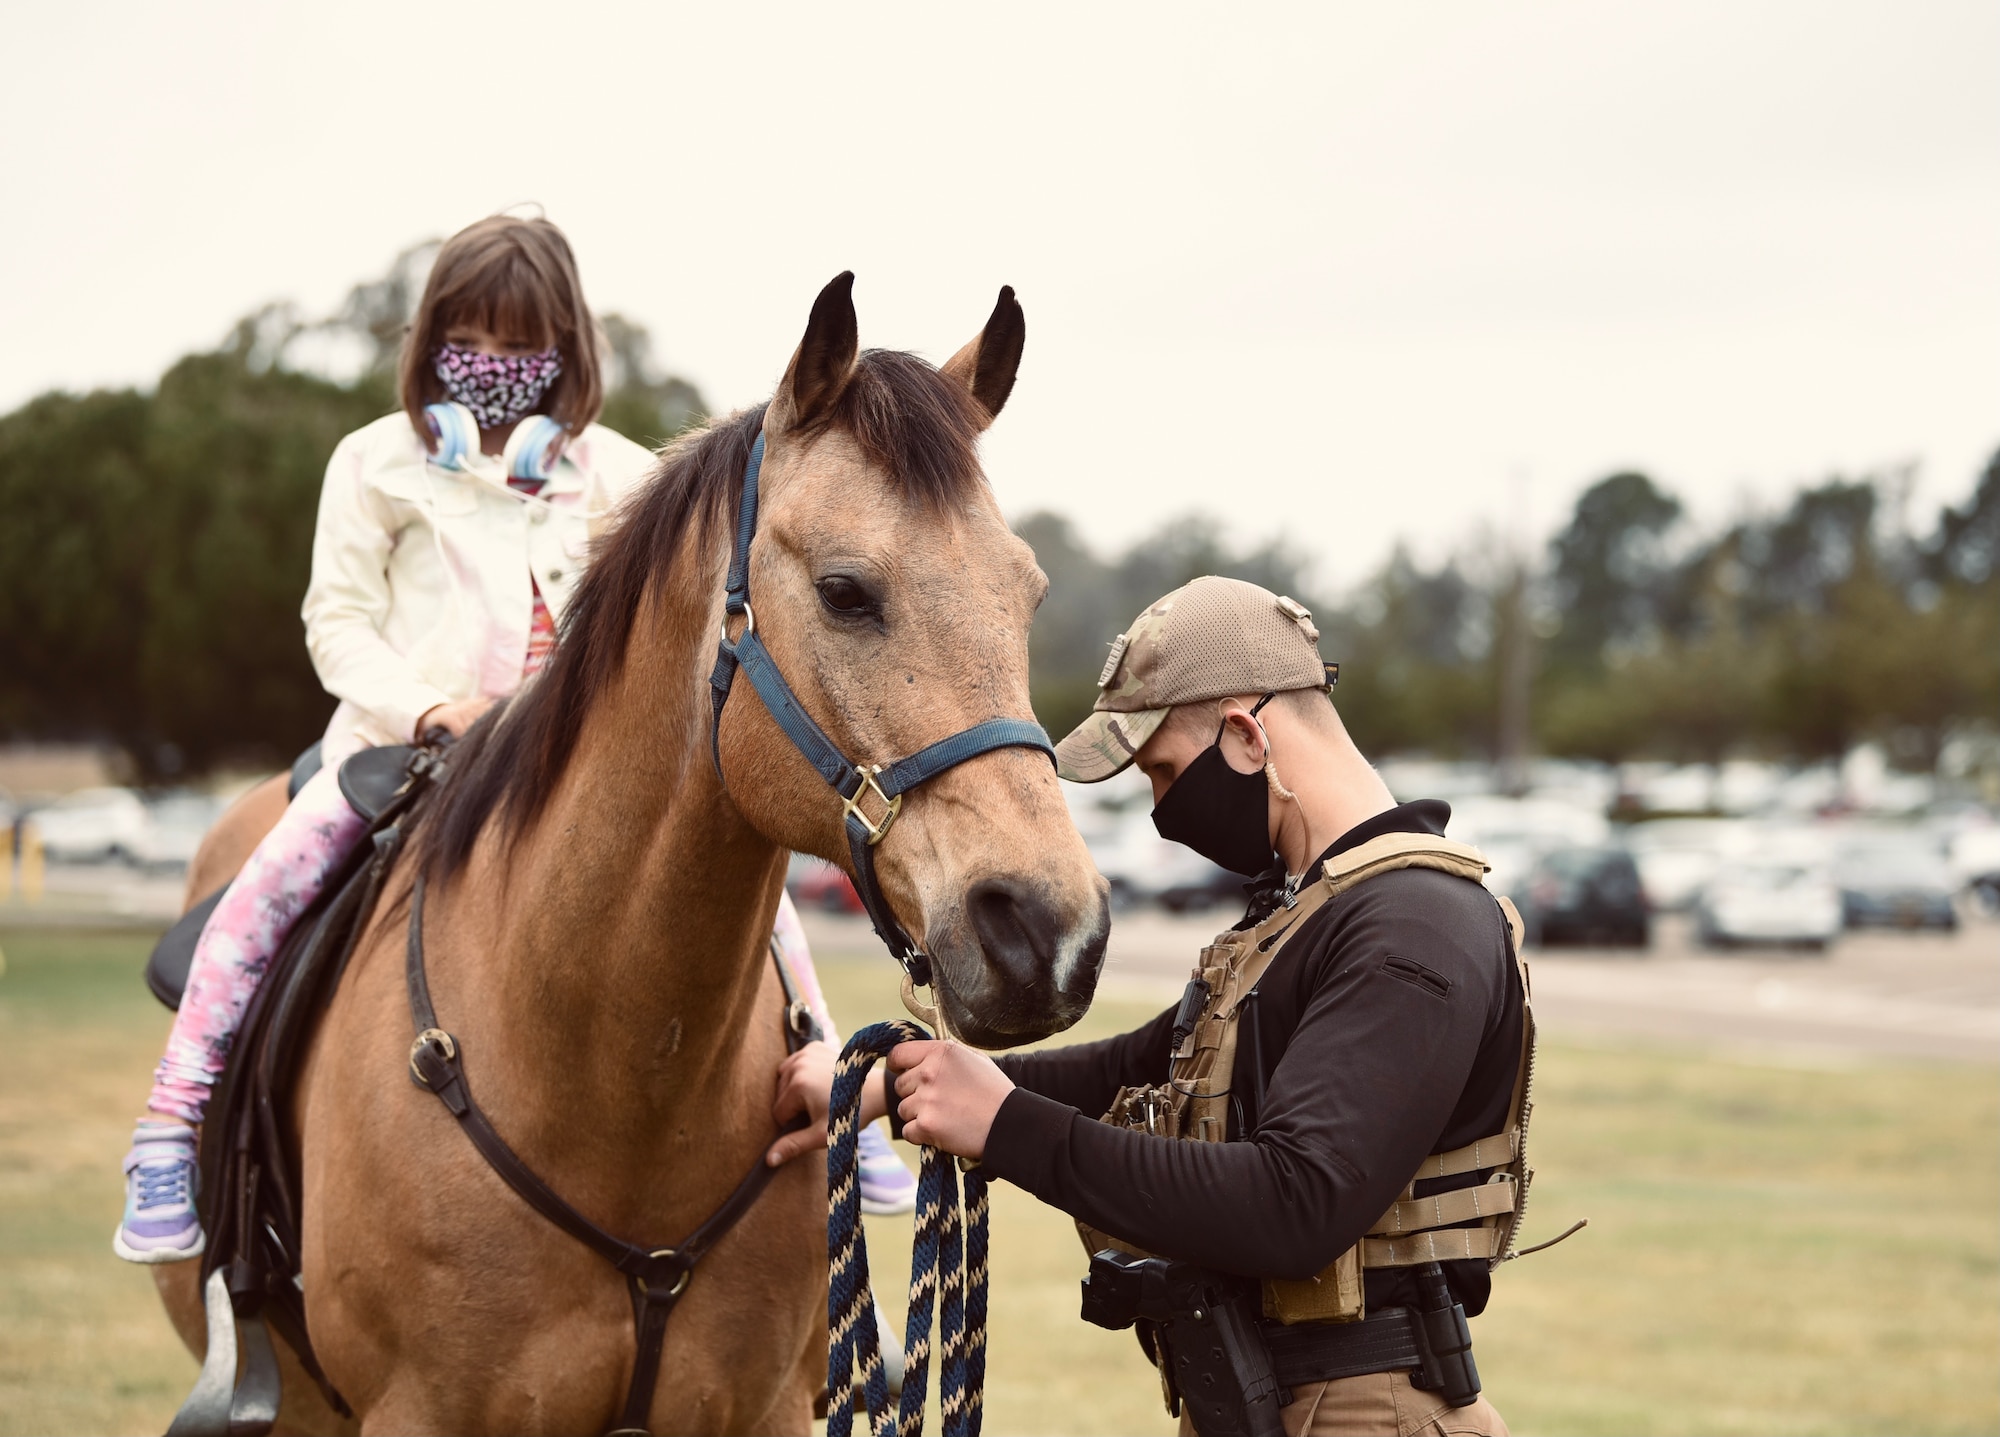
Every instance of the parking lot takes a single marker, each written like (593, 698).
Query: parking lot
(1921, 995)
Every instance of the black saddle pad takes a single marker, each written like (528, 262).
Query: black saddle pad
(167, 969)
(368, 780)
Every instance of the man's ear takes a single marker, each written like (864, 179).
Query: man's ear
(987, 366)
(824, 363)
(1244, 746)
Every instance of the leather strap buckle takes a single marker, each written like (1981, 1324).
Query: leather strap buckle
(800, 1019)
(437, 1041)
(850, 805)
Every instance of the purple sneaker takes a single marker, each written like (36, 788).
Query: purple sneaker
(886, 1185)
(160, 1222)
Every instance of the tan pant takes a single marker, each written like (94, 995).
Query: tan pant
(1382, 1404)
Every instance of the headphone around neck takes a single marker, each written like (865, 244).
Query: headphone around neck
(531, 453)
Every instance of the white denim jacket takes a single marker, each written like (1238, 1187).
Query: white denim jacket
(420, 589)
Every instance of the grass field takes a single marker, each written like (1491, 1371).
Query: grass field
(1772, 1249)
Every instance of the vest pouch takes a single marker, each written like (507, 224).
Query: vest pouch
(1334, 1295)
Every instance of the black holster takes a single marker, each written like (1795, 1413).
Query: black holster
(1445, 1340)
(1204, 1336)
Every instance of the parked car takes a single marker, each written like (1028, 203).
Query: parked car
(1199, 884)
(175, 827)
(1143, 867)
(1975, 864)
(1769, 902)
(1677, 856)
(92, 825)
(1586, 895)
(815, 883)
(1514, 833)
(1895, 881)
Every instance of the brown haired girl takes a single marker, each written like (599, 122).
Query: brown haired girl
(450, 540)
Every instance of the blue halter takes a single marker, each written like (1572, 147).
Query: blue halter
(882, 784)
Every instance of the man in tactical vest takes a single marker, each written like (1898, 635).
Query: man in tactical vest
(1306, 1172)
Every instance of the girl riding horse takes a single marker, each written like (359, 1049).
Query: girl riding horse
(450, 539)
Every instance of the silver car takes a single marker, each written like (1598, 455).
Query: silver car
(1796, 904)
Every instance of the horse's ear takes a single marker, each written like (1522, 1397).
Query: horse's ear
(824, 361)
(987, 365)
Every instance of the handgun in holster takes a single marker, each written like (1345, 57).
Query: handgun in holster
(1201, 1329)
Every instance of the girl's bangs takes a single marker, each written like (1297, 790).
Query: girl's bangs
(510, 300)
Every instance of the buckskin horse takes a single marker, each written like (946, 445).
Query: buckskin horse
(602, 866)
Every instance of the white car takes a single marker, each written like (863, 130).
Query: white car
(1765, 901)
(1975, 863)
(1146, 868)
(175, 827)
(1514, 833)
(1678, 856)
(92, 825)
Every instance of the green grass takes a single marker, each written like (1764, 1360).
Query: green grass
(1771, 1250)
(84, 1346)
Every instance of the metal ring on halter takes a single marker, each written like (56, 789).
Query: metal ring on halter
(851, 807)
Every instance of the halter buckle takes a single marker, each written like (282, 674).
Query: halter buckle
(851, 807)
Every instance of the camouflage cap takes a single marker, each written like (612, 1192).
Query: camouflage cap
(1210, 639)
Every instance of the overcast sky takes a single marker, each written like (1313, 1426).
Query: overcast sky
(1344, 273)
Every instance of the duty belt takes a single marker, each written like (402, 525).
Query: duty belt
(1384, 1341)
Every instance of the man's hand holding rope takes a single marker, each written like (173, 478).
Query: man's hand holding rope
(947, 1096)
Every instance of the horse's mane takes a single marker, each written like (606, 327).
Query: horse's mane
(906, 417)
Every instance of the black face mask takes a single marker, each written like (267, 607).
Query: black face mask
(1223, 815)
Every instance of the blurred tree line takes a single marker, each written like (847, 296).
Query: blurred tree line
(157, 544)
(1791, 635)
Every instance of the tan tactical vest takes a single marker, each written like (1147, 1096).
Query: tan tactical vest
(1194, 1105)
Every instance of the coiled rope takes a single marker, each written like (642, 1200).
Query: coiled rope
(947, 1264)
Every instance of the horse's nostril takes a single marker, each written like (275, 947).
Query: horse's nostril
(1019, 930)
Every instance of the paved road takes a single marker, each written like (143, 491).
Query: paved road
(97, 895)
(1890, 994)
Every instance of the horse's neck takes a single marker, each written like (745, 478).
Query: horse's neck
(630, 927)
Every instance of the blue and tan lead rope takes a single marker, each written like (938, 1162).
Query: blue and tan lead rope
(948, 1266)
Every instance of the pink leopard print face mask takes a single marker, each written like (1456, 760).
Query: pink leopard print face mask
(497, 388)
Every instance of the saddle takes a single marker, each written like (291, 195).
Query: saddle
(369, 780)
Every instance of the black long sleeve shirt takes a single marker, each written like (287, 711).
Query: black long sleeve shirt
(1387, 1029)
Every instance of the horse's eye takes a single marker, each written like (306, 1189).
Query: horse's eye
(843, 595)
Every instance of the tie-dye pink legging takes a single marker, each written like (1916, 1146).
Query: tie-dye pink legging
(283, 875)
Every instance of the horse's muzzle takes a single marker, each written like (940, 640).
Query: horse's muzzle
(1031, 966)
